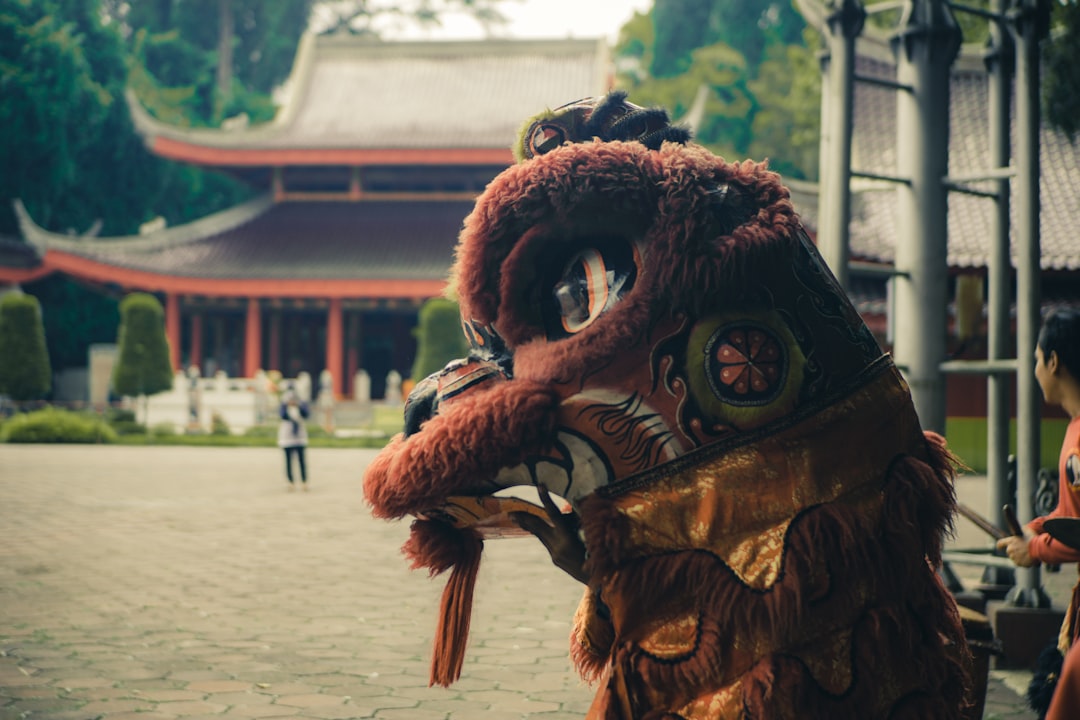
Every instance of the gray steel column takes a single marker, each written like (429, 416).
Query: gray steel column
(999, 64)
(925, 46)
(1029, 19)
(837, 111)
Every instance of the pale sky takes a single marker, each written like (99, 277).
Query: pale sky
(543, 19)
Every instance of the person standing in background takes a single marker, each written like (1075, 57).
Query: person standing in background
(293, 435)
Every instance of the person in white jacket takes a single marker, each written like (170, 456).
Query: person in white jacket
(293, 435)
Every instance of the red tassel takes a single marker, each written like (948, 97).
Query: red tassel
(455, 615)
(438, 547)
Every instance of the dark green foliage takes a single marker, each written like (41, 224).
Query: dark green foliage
(682, 26)
(68, 149)
(117, 414)
(75, 318)
(24, 362)
(128, 428)
(178, 44)
(218, 425)
(123, 421)
(757, 72)
(52, 425)
(439, 338)
(142, 365)
(1061, 90)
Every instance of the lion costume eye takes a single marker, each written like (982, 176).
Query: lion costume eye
(545, 138)
(591, 282)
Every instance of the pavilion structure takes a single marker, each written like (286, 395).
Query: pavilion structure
(366, 174)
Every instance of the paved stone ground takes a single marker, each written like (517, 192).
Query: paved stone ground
(160, 583)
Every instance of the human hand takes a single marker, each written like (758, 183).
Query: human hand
(1016, 547)
(560, 536)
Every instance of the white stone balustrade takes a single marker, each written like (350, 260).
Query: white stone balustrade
(245, 402)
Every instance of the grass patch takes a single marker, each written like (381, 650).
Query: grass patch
(967, 440)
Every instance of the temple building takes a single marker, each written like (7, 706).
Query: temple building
(376, 157)
(366, 173)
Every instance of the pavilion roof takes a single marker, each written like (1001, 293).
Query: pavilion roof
(355, 246)
(352, 95)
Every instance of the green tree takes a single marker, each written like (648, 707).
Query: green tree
(217, 57)
(1061, 89)
(786, 128)
(25, 373)
(751, 28)
(142, 367)
(68, 149)
(751, 64)
(75, 318)
(439, 338)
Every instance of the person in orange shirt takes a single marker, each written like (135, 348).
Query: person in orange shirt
(1057, 370)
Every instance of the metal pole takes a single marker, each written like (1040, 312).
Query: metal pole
(837, 111)
(926, 45)
(999, 64)
(1029, 20)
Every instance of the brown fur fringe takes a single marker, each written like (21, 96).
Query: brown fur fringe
(836, 559)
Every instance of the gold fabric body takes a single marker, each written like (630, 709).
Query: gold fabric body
(738, 506)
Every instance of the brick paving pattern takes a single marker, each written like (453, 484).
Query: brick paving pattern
(152, 583)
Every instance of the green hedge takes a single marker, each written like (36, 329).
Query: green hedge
(52, 425)
(25, 373)
(142, 363)
(439, 337)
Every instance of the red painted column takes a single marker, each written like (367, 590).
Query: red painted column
(274, 361)
(172, 328)
(252, 339)
(335, 345)
(196, 340)
(352, 362)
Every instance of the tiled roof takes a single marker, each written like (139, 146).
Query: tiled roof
(359, 93)
(377, 240)
(874, 206)
(874, 150)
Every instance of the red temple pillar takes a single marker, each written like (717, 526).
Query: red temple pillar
(335, 345)
(252, 339)
(352, 361)
(274, 361)
(172, 328)
(196, 340)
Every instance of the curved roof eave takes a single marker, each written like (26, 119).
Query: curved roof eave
(194, 231)
(78, 266)
(150, 128)
(175, 149)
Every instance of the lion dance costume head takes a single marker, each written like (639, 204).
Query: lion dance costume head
(656, 340)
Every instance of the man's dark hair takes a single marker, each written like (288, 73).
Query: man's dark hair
(1060, 333)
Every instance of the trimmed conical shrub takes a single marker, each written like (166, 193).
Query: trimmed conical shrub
(25, 372)
(439, 337)
(142, 365)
